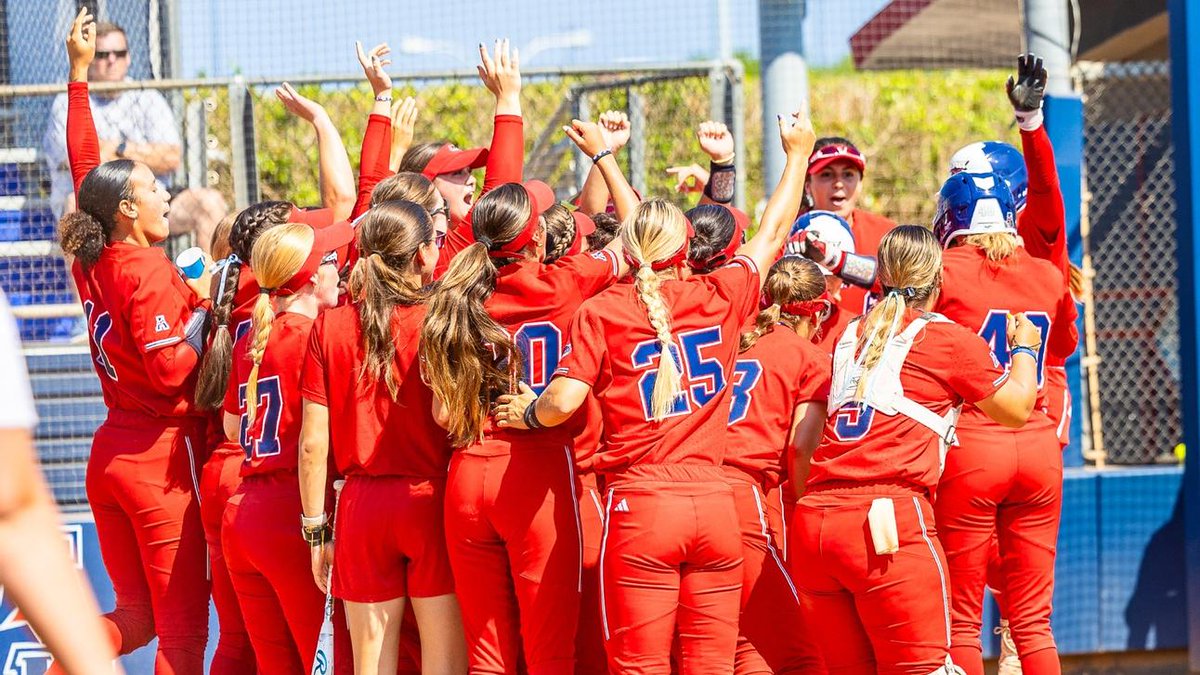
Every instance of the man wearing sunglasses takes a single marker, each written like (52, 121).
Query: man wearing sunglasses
(134, 124)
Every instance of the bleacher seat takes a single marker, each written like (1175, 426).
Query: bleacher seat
(70, 407)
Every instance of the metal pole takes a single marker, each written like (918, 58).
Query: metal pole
(582, 111)
(724, 30)
(243, 167)
(784, 75)
(738, 128)
(1185, 131)
(636, 109)
(1047, 33)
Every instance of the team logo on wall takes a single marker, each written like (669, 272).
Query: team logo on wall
(21, 651)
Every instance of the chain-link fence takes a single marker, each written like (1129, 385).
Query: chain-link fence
(1131, 241)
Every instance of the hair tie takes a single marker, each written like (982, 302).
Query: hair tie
(907, 291)
(229, 260)
(485, 240)
(266, 291)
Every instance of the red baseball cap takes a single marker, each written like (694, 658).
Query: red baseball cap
(583, 227)
(332, 239)
(314, 217)
(541, 197)
(835, 152)
(449, 159)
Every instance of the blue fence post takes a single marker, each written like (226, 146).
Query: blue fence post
(1185, 130)
(1064, 125)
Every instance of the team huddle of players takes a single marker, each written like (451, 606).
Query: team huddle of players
(616, 438)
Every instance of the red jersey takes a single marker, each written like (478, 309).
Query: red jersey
(369, 433)
(781, 371)
(505, 164)
(535, 303)
(979, 294)
(136, 307)
(587, 440)
(868, 229)
(272, 442)
(947, 365)
(614, 350)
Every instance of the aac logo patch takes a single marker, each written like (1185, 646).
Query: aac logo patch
(160, 324)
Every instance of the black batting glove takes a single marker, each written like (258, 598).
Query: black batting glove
(1027, 90)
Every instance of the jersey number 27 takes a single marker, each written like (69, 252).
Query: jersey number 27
(270, 404)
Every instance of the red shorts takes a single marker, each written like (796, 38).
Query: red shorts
(389, 540)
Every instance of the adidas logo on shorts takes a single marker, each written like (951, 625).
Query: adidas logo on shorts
(621, 507)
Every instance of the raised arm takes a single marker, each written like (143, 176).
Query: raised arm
(588, 137)
(615, 127)
(335, 173)
(797, 137)
(1043, 221)
(377, 139)
(717, 143)
(83, 146)
(502, 77)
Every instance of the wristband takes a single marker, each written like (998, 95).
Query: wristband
(530, 417)
(313, 522)
(725, 161)
(1022, 350)
(316, 537)
(383, 98)
(1029, 121)
(601, 155)
(722, 182)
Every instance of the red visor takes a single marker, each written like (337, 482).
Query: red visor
(449, 159)
(838, 152)
(326, 241)
(541, 197)
(583, 227)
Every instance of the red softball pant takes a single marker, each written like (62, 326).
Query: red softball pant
(871, 613)
(1006, 484)
(590, 658)
(670, 568)
(142, 483)
(219, 479)
(781, 504)
(271, 570)
(513, 531)
(771, 637)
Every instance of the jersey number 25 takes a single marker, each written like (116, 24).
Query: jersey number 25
(703, 377)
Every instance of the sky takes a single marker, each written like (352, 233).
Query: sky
(278, 37)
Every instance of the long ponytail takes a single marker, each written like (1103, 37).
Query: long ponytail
(388, 239)
(910, 269)
(84, 233)
(278, 256)
(655, 231)
(468, 358)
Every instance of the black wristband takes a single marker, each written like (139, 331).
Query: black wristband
(601, 155)
(722, 182)
(530, 417)
(317, 536)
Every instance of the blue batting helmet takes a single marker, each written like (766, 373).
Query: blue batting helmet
(973, 203)
(995, 157)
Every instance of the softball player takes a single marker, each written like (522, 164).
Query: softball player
(874, 589)
(365, 401)
(297, 267)
(512, 550)
(147, 330)
(780, 385)
(671, 554)
(999, 482)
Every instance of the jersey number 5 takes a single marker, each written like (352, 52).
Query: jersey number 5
(703, 378)
(995, 332)
(270, 403)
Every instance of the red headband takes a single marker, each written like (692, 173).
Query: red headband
(819, 305)
(741, 222)
(675, 259)
(541, 197)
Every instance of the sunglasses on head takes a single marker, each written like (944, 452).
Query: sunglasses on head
(443, 209)
(106, 55)
(330, 258)
(837, 150)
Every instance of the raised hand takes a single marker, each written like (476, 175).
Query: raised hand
(81, 44)
(690, 178)
(501, 75)
(796, 134)
(373, 64)
(615, 127)
(587, 136)
(304, 108)
(715, 140)
(404, 122)
(1026, 91)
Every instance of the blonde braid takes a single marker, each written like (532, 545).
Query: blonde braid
(261, 319)
(667, 385)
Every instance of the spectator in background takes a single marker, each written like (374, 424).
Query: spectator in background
(36, 570)
(136, 124)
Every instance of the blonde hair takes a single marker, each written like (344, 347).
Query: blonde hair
(409, 187)
(655, 231)
(277, 256)
(791, 279)
(996, 245)
(910, 269)
(389, 238)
